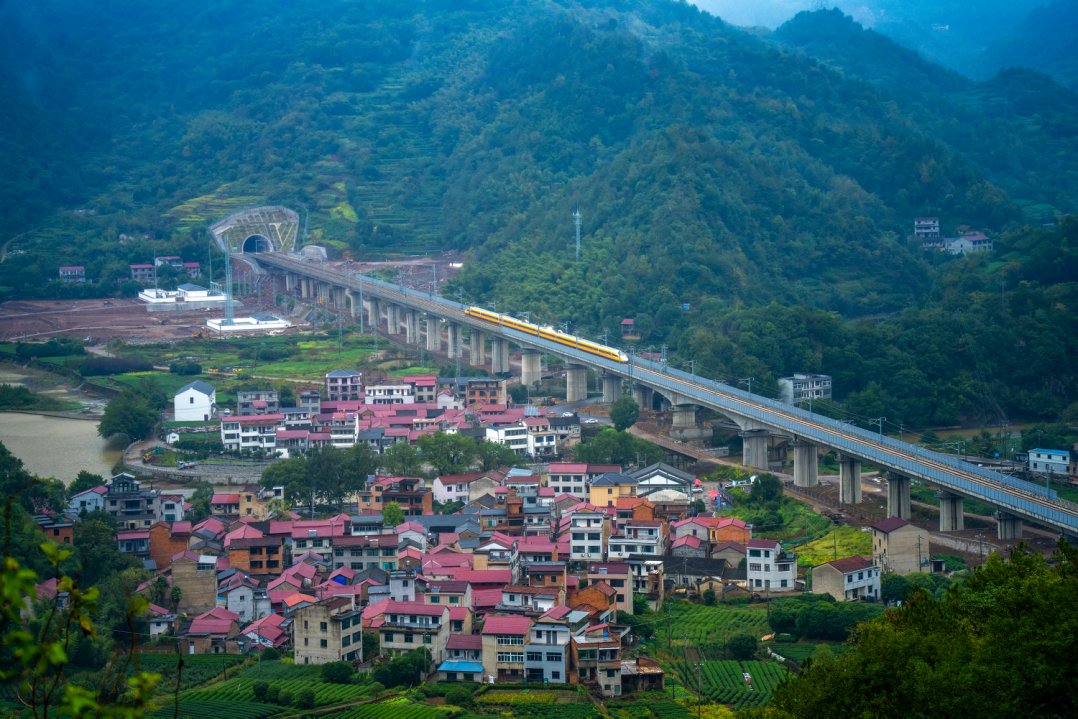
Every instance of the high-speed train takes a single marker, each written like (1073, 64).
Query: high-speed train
(548, 333)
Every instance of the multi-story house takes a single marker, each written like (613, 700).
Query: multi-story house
(361, 552)
(574, 478)
(589, 532)
(768, 567)
(1048, 461)
(522, 599)
(424, 387)
(328, 631)
(172, 507)
(542, 438)
(545, 574)
(503, 646)
(251, 432)
(448, 593)
(462, 487)
(606, 489)
(196, 577)
(212, 632)
(135, 542)
(73, 273)
(619, 577)
(596, 655)
(898, 546)
(638, 537)
(383, 394)
(513, 436)
(409, 492)
(546, 654)
(131, 506)
(343, 385)
(804, 387)
(142, 272)
(486, 391)
(88, 500)
(410, 625)
(257, 401)
(848, 579)
(463, 659)
(196, 401)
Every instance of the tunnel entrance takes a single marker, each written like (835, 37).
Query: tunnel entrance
(257, 243)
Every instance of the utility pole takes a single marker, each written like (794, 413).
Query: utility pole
(576, 221)
(879, 423)
(747, 381)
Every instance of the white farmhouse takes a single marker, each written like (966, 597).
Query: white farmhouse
(195, 402)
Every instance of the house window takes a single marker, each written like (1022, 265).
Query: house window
(323, 643)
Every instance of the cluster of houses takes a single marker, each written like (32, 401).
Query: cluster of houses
(346, 412)
(927, 231)
(527, 582)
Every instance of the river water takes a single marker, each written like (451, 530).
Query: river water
(54, 446)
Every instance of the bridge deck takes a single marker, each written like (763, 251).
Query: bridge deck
(1011, 495)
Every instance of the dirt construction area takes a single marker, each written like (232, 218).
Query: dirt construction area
(101, 320)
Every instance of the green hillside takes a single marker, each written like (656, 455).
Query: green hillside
(742, 197)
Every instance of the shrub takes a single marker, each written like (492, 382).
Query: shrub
(273, 694)
(284, 698)
(305, 699)
(113, 365)
(259, 689)
(185, 368)
(270, 654)
(458, 696)
(742, 646)
(337, 673)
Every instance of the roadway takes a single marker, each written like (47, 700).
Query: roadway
(1014, 496)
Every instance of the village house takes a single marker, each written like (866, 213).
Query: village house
(463, 659)
(212, 632)
(411, 625)
(195, 402)
(899, 547)
(327, 631)
(769, 567)
(848, 579)
(503, 647)
(343, 384)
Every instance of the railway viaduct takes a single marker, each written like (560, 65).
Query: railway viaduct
(428, 319)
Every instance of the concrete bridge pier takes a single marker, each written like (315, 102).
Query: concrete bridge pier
(499, 355)
(898, 495)
(684, 416)
(304, 288)
(849, 481)
(530, 367)
(353, 303)
(393, 319)
(373, 313)
(952, 518)
(611, 388)
(806, 467)
(642, 396)
(754, 448)
(411, 327)
(477, 350)
(453, 339)
(289, 282)
(576, 382)
(434, 337)
(1008, 526)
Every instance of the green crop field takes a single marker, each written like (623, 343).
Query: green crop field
(723, 681)
(218, 710)
(397, 708)
(702, 630)
(240, 690)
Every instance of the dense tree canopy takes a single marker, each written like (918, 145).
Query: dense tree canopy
(999, 644)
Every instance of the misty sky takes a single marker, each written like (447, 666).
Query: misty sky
(772, 13)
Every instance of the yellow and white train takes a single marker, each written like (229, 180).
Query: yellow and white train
(548, 333)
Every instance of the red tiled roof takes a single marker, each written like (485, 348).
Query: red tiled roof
(418, 608)
(465, 641)
(689, 540)
(499, 624)
(851, 564)
(890, 524)
(763, 544)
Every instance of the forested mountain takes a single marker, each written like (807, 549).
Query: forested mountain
(726, 181)
(1043, 41)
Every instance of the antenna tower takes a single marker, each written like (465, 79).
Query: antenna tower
(576, 221)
